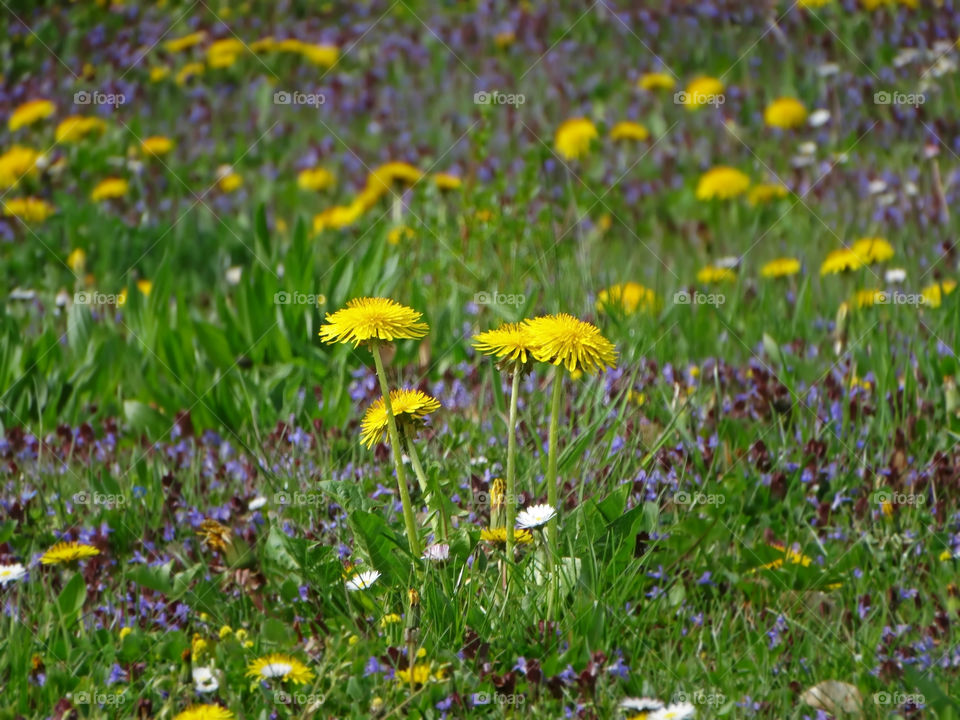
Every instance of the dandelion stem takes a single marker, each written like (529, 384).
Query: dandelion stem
(552, 488)
(408, 518)
(511, 491)
(441, 523)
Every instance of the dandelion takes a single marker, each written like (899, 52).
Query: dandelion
(785, 113)
(17, 163)
(722, 183)
(109, 189)
(373, 320)
(564, 340)
(77, 127)
(11, 573)
(156, 145)
(29, 113)
(186, 42)
(407, 405)
(573, 138)
(656, 81)
(711, 274)
(869, 298)
(67, 552)
(188, 72)
(535, 516)
(790, 556)
(499, 536)
(229, 181)
(278, 666)
(766, 193)
(629, 131)
(362, 580)
(873, 250)
(933, 294)
(158, 73)
(205, 712)
(77, 259)
(398, 234)
(838, 261)
(419, 674)
(215, 535)
(628, 298)
(781, 267)
(30, 210)
(703, 90)
(446, 181)
(315, 179)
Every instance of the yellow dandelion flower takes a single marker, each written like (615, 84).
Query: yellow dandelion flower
(446, 181)
(873, 249)
(628, 297)
(781, 267)
(184, 43)
(703, 90)
(215, 535)
(790, 557)
(224, 52)
(785, 113)
(124, 631)
(230, 182)
(407, 405)
(419, 674)
(504, 39)
(511, 342)
(841, 260)
(29, 113)
(722, 183)
(17, 163)
(158, 73)
(322, 55)
(498, 536)
(627, 130)
(390, 619)
(145, 286)
(189, 71)
(77, 259)
(265, 44)
(710, 274)
(315, 179)
(381, 178)
(77, 127)
(110, 188)
(30, 210)
(933, 294)
(564, 340)
(280, 666)
(376, 319)
(338, 216)
(656, 81)
(156, 145)
(766, 192)
(65, 552)
(573, 138)
(207, 711)
(868, 298)
(813, 3)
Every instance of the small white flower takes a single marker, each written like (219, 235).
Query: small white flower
(819, 118)
(728, 262)
(675, 711)
(807, 148)
(234, 274)
(905, 57)
(895, 275)
(535, 516)
(362, 581)
(886, 199)
(641, 704)
(11, 573)
(828, 69)
(910, 188)
(877, 186)
(257, 503)
(204, 680)
(438, 552)
(479, 460)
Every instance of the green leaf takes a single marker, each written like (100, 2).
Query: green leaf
(71, 599)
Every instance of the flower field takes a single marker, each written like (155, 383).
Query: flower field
(448, 360)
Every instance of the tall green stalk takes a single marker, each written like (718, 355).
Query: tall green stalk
(552, 488)
(408, 518)
(511, 490)
(431, 493)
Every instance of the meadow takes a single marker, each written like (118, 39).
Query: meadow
(442, 360)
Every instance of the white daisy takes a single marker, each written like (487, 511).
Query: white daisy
(819, 118)
(11, 573)
(877, 186)
(641, 704)
(362, 581)
(729, 262)
(828, 69)
(535, 516)
(438, 552)
(895, 275)
(675, 711)
(204, 680)
(256, 503)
